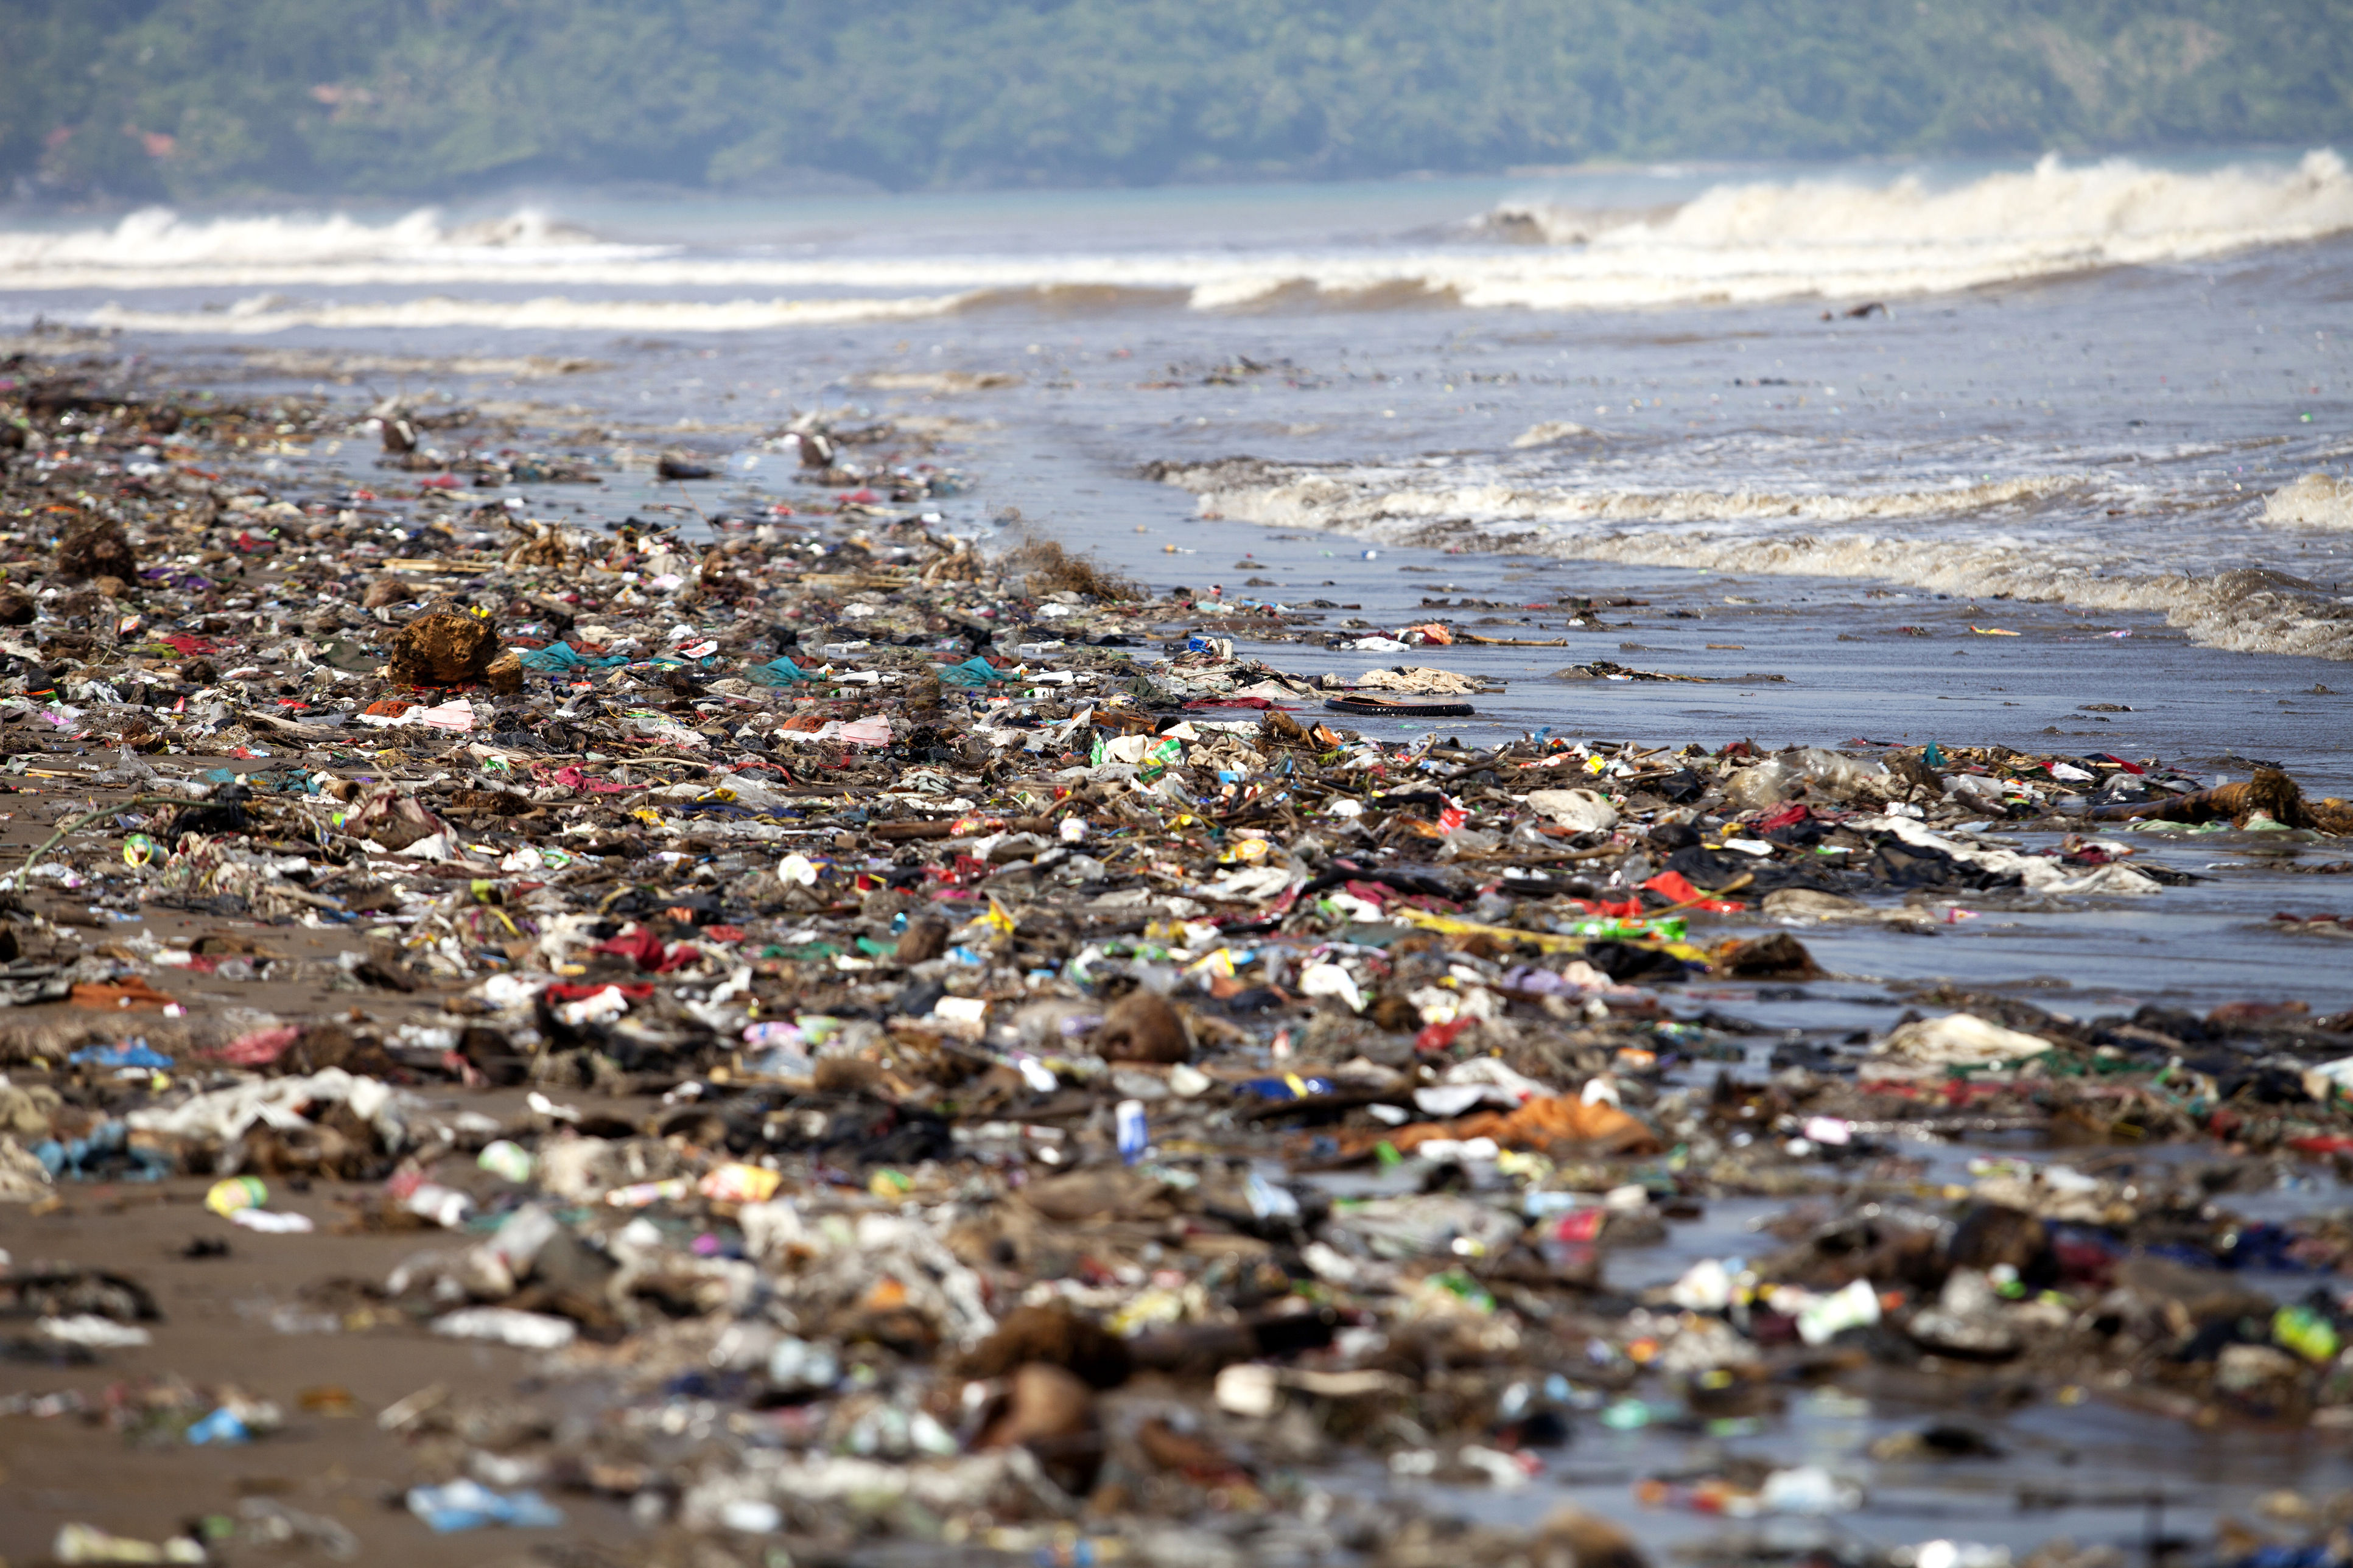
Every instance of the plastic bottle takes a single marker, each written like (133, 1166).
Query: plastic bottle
(225, 1197)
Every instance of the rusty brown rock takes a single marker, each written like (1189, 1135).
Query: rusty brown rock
(505, 673)
(385, 591)
(16, 607)
(1779, 956)
(440, 648)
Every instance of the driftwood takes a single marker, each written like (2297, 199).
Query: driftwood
(2270, 793)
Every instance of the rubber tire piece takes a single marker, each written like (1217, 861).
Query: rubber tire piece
(1373, 708)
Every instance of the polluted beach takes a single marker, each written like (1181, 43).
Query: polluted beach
(1620, 867)
(813, 1032)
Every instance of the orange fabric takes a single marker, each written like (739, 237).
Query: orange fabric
(132, 991)
(1538, 1125)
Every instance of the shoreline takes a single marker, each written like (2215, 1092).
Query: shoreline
(1065, 1110)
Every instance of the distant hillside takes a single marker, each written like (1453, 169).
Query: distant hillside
(206, 98)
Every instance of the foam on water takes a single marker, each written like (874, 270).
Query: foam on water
(157, 237)
(1997, 538)
(266, 314)
(1733, 243)
(2316, 501)
(2052, 217)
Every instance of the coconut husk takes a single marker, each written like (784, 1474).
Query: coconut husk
(98, 549)
(1143, 1027)
(440, 648)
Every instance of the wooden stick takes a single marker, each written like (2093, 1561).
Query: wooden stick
(78, 823)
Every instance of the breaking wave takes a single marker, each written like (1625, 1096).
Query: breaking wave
(2247, 610)
(2116, 210)
(1740, 242)
(1733, 243)
(253, 318)
(158, 237)
(2316, 501)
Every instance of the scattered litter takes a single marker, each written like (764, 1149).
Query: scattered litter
(919, 1048)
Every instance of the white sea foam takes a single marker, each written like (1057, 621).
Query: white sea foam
(1547, 432)
(2316, 501)
(1735, 243)
(1976, 541)
(158, 237)
(263, 315)
(2112, 211)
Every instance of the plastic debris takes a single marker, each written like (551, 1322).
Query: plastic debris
(840, 1044)
(469, 1505)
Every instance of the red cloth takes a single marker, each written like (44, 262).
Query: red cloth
(1676, 889)
(1438, 1036)
(573, 990)
(573, 778)
(260, 1046)
(646, 951)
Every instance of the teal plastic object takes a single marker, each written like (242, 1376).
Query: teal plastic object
(778, 671)
(972, 672)
(563, 656)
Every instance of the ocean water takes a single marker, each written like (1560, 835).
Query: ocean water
(2049, 455)
(2052, 454)
(2117, 386)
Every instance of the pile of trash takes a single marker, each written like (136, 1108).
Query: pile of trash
(937, 1047)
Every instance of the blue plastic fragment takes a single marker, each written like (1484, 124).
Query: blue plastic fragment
(1281, 1087)
(470, 1505)
(129, 1054)
(98, 1153)
(221, 1427)
(778, 671)
(562, 656)
(975, 671)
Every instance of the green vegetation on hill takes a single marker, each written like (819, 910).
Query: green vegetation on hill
(197, 99)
